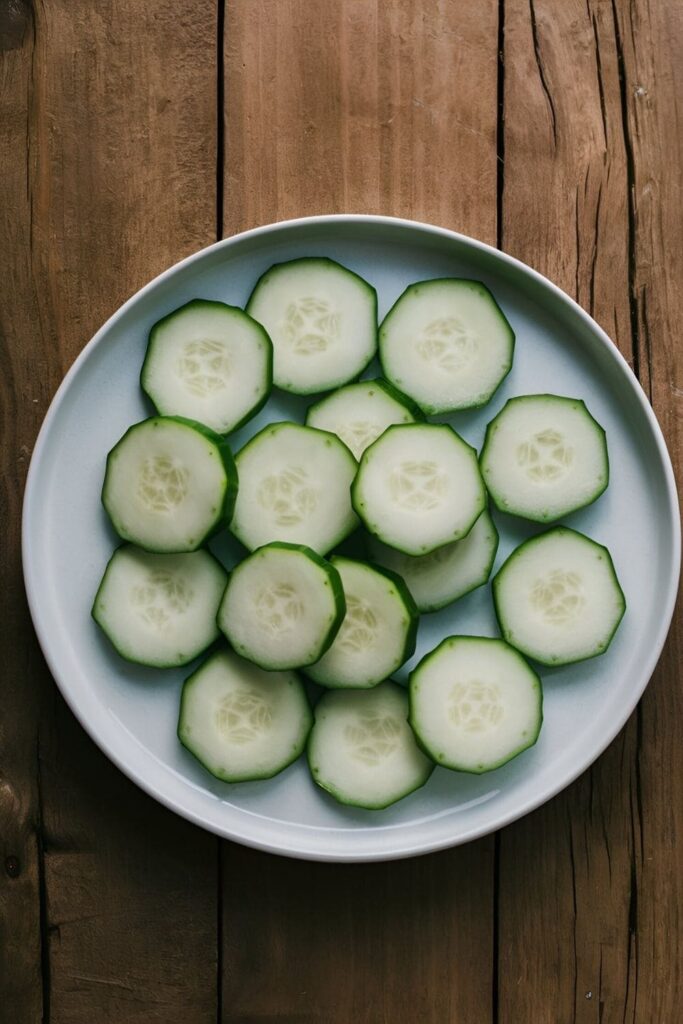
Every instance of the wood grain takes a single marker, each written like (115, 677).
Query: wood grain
(112, 169)
(357, 106)
(650, 38)
(363, 943)
(110, 907)
(21, 397)
(380, 108)
(570, 952)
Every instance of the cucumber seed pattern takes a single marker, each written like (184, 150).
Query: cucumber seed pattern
(559, 597)
(357, 435)
(161, 598)
(475, 706)
(448, 345)
(373, 738)
(418, 486)
(359, 629)
(204, 367)
(288, 496)
(546, 457)
(278, 608)
(244, 716)
(310, 326)
(162, 485)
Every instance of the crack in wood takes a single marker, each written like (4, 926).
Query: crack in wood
(541, 71)
(596, 236)
(645, 321)
(42, 894)
(500, 124)
(577, 247)
(220, 116)
(495, 996)
(500, 192)
(631, 201)
(572, 862)
(601, 86)
(220, 219)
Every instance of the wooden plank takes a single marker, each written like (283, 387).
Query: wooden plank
(347, 105)
(339, 105)
(650, 39)
(565, 894)
(564, 183)
(118, 108)
(406, 941)
(22, 386)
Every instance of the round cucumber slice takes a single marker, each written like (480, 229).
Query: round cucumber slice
(322, 319)
(359, 413)
(160, 610)
(448, 573)
(362, 750)
(240, 722)
(209, 362)
(447, 344)
(544, 456)
(170, 484)
(475, 704)
(378, 632)
(282, 607)
(558, 599)
(294, 486)
(418, 487)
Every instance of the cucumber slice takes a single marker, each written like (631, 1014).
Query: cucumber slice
(378, 632)
(240, 722)
(447, 344)
(294, 486)
(475, 704)
(557, 597)
(209, 362)
(282, 607)
(450, 572)
(419, 487)
(544, 456)
(322, 319)
(170, 484)
(362, 750)
(160, 610)
(360, 412)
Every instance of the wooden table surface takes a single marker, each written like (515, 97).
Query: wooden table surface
(135, 132)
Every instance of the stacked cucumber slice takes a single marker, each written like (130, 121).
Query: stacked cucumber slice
(364, 461)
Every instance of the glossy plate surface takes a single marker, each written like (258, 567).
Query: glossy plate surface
(131, 712)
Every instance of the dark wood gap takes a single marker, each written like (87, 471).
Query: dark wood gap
(220, 205)
(500, 190)
(220, 115)
(219, 930)
(45, 976)
(630, 198)
(500, 125)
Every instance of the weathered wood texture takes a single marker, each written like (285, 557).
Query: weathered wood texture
(380, 108)
(23, 396)
(567, 872)
(109, 125)
(650, 38)
(590, 104)
(111, 908)
(359, 106)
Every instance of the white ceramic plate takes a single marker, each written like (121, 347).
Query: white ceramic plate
(131, 712)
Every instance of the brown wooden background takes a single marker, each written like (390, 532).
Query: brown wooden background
(133, 133)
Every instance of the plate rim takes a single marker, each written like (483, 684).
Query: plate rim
(413, 846)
